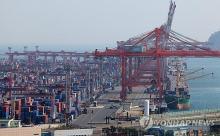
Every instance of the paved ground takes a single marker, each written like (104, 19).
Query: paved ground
(105, 108)
(136, 97)
(94, 116)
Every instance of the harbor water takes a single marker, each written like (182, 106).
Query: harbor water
(205, 91)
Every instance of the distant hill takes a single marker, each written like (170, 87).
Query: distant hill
(214, 40)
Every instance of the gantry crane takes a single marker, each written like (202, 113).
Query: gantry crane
(154, 47)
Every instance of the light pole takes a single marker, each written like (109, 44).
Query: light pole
(91, 118)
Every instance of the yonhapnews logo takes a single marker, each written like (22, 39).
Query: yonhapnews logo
(183, 122)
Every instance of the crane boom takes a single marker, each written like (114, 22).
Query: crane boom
(201, 76)
(195, 71)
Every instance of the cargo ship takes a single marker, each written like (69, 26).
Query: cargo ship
(177, 94)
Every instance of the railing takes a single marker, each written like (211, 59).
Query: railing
(186, 113)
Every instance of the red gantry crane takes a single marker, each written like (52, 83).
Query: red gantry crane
(146, 55)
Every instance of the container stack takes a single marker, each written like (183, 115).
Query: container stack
(17, 108)
(26, 114)
(6, 110)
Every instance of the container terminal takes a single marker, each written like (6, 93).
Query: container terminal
(141, 80)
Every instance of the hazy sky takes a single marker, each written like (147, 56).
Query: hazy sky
(95, 23)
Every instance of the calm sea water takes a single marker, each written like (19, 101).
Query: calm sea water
(205, 92)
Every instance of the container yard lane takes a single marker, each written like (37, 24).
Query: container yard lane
(95, 115)
(108, 105)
